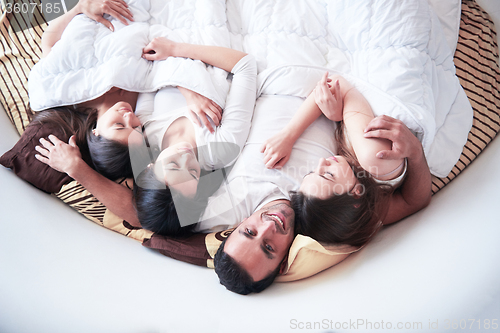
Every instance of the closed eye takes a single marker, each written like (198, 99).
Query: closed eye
(173, 165)
(307, 174)
(331, 175)
(194, 173)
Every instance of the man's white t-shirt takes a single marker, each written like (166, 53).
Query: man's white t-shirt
(250, 185)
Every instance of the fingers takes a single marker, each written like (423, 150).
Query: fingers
(72, 141)
(149, 54)
(44, 152)
(272, 161)
(336, 89)
(205, 121)
(120, 11)
(41, 158)
(324, 78)
(217, 110)
(381, 122)
(213, 114)
(194, 117)
(263, 147)
(149, 51)
(54, 139)
(388, 155)
(48, 145)
(281, 163)
(104, 22)
(380, 134)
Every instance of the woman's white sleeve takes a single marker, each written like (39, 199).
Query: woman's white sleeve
(240, 102)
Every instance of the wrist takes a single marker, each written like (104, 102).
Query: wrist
(76, 169)
(180, 50)
(417, 153)
(77, 9)
(290, 134)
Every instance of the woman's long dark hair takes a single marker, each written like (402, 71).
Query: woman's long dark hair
(110, 158)
(71, 121)
(157, 210)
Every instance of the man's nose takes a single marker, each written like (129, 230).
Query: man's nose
(267, 226)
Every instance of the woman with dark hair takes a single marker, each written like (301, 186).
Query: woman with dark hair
(345, 198)
(184, 149)
(180, 138)
(111, 116)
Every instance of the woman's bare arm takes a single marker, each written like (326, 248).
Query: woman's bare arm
(94, 9)
(66, 157)
(357, 115)
(161, 48)
(278, 148)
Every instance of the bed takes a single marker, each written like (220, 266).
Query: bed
(437, 268)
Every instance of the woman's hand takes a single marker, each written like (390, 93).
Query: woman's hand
(61, 156)
(202, 107)
(160, 48)
(277, 150)
(329, 98)
(95, 9)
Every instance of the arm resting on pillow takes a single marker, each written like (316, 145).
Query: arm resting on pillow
(94, 9)
(66, 157)
(415, 193)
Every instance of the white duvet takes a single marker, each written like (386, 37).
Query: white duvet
(398, 53)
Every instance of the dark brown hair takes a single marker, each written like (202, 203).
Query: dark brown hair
(347, 218)
(235, 278)
(156, 210)
(110, 158)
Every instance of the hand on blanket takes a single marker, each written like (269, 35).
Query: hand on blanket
(159, 48)
(61, 156)
(277, 150)
(329, 99)
(404, 143)
(95, 9)
(201, 107)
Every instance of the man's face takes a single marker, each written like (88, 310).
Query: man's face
(260, 242)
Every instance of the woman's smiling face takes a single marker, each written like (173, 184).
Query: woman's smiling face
(178, 167)
(333, 176)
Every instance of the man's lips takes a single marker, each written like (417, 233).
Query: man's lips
(280, 219)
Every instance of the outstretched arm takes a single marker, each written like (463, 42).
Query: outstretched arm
(161, 48)
(415, 193)
(278, 148)
(66, 157)
(94, 9)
